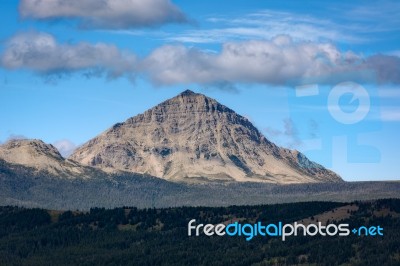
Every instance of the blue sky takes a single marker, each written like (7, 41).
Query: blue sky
(319, 77)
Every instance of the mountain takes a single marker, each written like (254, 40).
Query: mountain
(41, 157)
(193, 138)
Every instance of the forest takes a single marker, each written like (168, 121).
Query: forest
(134, 236)
(23, 186)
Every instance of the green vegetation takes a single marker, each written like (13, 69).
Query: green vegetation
(131, 236)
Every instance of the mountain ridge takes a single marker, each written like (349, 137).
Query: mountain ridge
(192, 137)
(41, 157)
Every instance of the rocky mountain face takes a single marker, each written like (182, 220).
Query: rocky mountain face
(40, 156)
(193, 138)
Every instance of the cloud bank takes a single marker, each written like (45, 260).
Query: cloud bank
(105, 14)
(279, 61)
(40, 53)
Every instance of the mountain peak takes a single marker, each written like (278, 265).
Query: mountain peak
(30, 152)
(187, 93)
(192, 137)
(190, 102)
(33, 146)
(40, 156)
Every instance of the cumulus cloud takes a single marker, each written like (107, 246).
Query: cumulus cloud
(40, 52)
(65, 147)
(386, 66)
(105, 14)
(277, 61)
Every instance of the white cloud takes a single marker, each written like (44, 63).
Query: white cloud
(387, 67)
(105, 14)
(277, 61)
(41, 53)
(65, 147)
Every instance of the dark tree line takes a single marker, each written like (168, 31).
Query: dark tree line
(132, 236)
